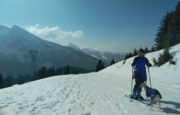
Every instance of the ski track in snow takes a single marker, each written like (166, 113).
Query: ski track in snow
(101, 93)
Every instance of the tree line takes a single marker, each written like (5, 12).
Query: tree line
(43, 72)
(135, 52)
(168, 35)
(169, 30)
(100, 65)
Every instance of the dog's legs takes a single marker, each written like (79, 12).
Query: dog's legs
(153, 101)
(147, 100)
(151, 104)
(159, 101)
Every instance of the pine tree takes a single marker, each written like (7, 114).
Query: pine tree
(174, 27)
(112, 62)
(135, 52)
(28, 78)
(58, 71)
(146, 50)
(35, 76)
(100, 66)
(9, 81)
(44, 72)
(15, 80)
(75, 72)
(130, 55)
(163, 30)
(155, 62)
(1, 82)
(166, 55)
(160, 60)
(67, 71)
(53, 72)
(49, 72)
(21, 79)
(153, 49)
(40, 74)
(126, 57)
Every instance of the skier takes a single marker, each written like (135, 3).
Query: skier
(139, 73)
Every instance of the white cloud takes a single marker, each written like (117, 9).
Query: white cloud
(54, 33)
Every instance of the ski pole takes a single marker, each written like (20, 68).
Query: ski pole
(131, 84)
(149, 77)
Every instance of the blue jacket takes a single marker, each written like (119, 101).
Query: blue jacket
(152, 92)
(140, 68)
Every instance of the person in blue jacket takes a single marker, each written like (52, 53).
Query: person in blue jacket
(139, 73)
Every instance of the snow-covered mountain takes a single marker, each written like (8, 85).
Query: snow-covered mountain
(3, 30)
(18, 42)
(105, 56)
(101, 93)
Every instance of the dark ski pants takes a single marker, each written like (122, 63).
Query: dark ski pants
(138, 81)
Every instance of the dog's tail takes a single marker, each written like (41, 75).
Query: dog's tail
(159, 95)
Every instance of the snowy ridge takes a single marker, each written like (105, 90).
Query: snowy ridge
(105, 56)
(3, 30)
(19, 42)
(101, 93)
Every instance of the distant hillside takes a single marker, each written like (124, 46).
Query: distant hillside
(105, 56)
(15, 44)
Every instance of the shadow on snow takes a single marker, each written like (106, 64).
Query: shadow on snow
(170, 110)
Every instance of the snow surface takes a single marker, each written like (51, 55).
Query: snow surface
(101, 93)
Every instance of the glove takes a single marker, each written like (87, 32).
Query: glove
(149, 65)
(132, 65)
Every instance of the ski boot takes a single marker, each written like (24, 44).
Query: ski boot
(134, 96)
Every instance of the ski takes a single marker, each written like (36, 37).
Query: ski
(144, 102)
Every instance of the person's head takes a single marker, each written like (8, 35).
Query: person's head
(141, 52)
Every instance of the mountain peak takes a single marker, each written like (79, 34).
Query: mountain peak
(17, 32)
(17, 28)
(74, 46)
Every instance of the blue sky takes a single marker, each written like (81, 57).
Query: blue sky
(106, 25)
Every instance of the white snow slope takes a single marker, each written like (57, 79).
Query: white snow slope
(101, 93)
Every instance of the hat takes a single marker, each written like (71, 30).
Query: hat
(141, 50)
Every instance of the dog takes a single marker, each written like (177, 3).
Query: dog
(153, 94)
